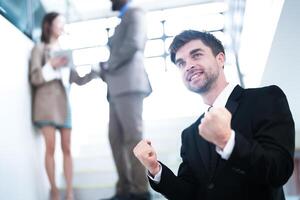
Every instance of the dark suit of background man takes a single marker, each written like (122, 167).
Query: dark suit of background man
(241, 149)
(128, 85)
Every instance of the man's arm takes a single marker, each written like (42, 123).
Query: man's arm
(173, 187)
(75, 78)
(267, 157)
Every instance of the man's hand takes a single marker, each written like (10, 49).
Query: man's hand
(103, 67)
(147, 156)
(215, 126)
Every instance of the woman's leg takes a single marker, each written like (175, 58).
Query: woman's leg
(68, 166)
(49, 137)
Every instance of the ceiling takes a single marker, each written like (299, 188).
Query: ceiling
(79, 10)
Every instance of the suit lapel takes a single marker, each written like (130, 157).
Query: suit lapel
(207, 150)
(202, 144)
(232, 102)
(232, 105)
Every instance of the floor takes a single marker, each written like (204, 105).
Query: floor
(94, 170)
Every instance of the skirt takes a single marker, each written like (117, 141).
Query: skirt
(66, 124)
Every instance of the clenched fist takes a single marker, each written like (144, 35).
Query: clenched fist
(147, 156)
(215, 126)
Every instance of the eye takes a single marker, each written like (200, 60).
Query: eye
(180, 64)
(196, 55)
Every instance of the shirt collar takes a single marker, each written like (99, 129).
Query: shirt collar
(124, 9)
(224, 95)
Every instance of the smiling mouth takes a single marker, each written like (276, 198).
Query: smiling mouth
(195, 76)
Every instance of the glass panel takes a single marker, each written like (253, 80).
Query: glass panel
(168, 93)
(90, 55)
(86, 34)
(168, 43)
(221, 36)
(155, 69)
(25, 15)
(156, 16)
(200, 9)
(154, 25)
(16, 12)
(154, 48)
(154, 29)
(200, 22)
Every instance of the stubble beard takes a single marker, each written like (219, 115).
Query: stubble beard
(206, 86)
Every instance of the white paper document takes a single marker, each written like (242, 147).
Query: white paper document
(67, 54)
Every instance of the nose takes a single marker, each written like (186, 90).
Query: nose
(190, 65)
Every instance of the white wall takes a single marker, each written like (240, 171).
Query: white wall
(259, 25)
(283, 64)
(22, 175)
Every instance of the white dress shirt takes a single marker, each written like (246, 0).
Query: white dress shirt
(226, 152)
(63, 74)
(49, 73)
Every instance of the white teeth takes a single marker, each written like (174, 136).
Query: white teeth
(194, 76)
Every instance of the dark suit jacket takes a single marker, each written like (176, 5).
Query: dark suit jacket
(261, 161)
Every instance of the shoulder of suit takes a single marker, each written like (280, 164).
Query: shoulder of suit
(39, 46)
(270, 88)
(136, 9)
(270, 91)
(134, 13)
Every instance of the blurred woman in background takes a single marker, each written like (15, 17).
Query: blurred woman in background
(51, 108)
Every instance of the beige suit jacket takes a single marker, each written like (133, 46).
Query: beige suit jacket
(49, 99)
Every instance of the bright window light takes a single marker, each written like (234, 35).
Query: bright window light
(170, 98)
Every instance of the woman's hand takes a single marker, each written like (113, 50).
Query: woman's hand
(58, 62)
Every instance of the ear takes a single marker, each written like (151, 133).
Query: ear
(220, 59)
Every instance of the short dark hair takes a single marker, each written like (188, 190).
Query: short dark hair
(46, 26)
(186, 36)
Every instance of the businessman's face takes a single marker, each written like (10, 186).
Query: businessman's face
(199, 67)
(117, 4)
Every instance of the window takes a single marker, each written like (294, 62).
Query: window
(170, 98)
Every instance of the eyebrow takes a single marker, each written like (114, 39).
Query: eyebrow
(178, 60)
(196, 50)
(191, 53)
